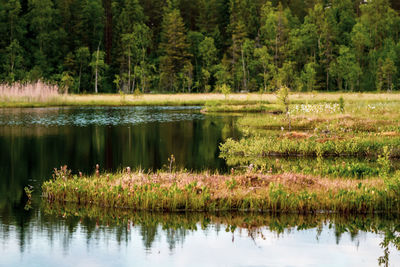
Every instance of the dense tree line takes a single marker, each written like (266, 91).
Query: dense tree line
(202, 45)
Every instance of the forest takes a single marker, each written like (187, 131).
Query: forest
(141, 46)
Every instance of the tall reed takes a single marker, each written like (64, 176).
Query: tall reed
(38, 91)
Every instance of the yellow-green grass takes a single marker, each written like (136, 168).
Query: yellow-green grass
(188, 99)
(358, 116)
(288, 192)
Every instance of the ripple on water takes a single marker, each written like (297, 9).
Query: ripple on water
(84, 116)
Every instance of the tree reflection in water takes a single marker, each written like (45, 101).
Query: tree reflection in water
(176, 226)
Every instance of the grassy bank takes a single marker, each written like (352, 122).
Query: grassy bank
(179, 191)
(251, 102)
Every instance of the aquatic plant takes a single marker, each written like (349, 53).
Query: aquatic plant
(28, 191)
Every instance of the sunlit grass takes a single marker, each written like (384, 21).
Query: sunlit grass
(188, 99)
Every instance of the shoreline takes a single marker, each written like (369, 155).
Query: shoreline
(197, 99)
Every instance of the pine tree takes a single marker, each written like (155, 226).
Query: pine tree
(173, 49)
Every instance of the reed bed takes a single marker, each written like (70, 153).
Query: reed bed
(29, 92)
(184, 191)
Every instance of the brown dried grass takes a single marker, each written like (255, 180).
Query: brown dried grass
(245, 183)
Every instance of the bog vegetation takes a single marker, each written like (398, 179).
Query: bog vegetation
(251, 191)
(201, 46)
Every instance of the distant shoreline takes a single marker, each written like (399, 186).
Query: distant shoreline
(199, 99)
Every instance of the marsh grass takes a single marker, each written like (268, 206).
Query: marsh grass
(343, 167)
(240, 107)
(320, 130)
(182, 191)
(357, 146)
(28, 93)
(242, 99)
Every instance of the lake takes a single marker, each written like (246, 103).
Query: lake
(35, 141)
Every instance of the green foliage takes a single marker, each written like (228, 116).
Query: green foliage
(384, 162)
(66, 82)
(283, 100)
(283, 97)
(195, 46)
(28, 191)
(174, 49)
(225, 89)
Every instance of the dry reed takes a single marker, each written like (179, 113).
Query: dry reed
(39, 91)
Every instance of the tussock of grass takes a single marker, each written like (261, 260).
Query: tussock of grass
(205, 192)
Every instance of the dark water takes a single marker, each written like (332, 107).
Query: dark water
(34, 141)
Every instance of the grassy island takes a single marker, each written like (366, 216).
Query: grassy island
(250, 191)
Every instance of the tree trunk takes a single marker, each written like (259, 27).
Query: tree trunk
(97, 70)
(79, 81)
(134, 80)
(129, 71)
(265, 80)
(142, 73)
(244, 70)
(327, 80)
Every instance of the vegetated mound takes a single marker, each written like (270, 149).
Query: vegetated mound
(174, 191)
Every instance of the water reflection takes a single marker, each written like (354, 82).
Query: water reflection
(144, 137)
(84, 116)
(175, 237)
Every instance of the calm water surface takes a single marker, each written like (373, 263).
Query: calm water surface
(34, 141)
